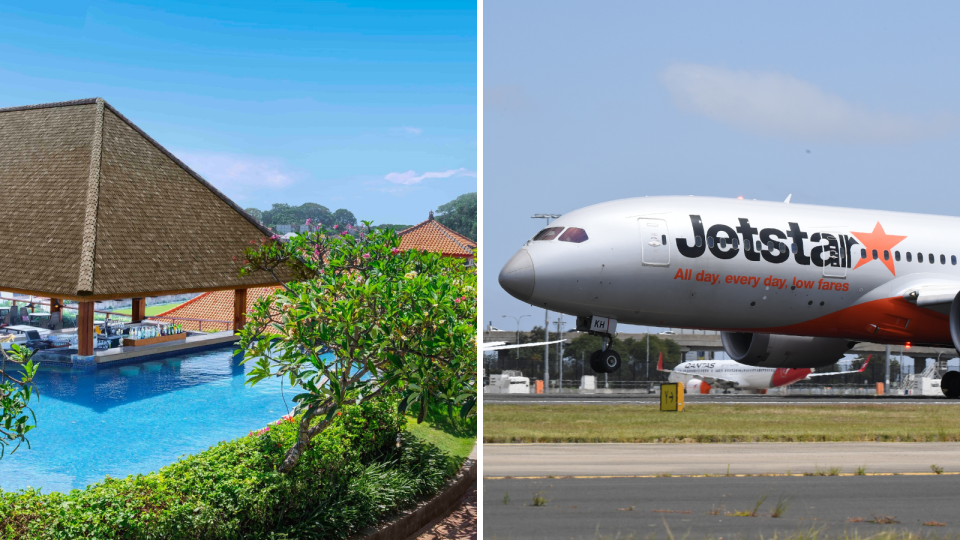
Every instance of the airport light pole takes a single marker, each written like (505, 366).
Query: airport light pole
(648, 354)
(518, 334)
(546, 322)
(886, 384)
(560, 324)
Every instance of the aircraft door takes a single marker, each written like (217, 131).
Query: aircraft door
(654, 242)
(835, 255)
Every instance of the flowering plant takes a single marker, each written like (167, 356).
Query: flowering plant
(362, 320)
(16, 416)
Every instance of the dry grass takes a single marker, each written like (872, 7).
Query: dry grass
(719, 423)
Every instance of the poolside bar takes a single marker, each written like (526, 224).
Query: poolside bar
(123, 219)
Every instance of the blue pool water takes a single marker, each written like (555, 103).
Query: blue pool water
(137, 418)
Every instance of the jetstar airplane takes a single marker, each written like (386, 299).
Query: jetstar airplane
(788, 285)
(701, 375)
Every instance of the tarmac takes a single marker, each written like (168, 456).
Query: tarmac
(593, 491)
(694, 508)
(615, 459)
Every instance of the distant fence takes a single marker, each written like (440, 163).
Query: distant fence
(197, 325)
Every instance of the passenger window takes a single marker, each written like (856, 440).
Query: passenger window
(896, 256)
(783, 247)
(909, 257)
(699, 241)
(735, 242)
(577, 236)
(863, 253)
(930, 257)
(759, 246)
(548, 234)
(953, 260)
(919, 257)
(875, 256)
(886, 255)
(710, 242)
(943, 259)
(723, 242)
(793, 248)
(770, 245)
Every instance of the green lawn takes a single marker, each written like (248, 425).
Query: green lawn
(457, 446)
(720, 423)
(151, 310)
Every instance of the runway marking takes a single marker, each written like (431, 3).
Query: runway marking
(577, 477)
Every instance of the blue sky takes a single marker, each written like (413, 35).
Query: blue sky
(369, 106)
(849, 104)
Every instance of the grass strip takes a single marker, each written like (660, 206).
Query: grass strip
(709, 423)
(150, 310)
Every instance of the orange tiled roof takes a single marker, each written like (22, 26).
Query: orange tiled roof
(430, 235)
(212, 306)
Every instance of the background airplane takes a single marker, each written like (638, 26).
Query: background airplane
(701, 375)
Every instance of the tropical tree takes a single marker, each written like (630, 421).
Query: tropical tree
(344, 218)
(255, 213)
(361, 320)
(460, 215)
(16, 416)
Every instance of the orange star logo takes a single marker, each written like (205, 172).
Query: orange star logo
(880, 241)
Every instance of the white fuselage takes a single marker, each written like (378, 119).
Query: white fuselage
(731, 374)
(684, 262)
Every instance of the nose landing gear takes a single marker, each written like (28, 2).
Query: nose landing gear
(606, 360)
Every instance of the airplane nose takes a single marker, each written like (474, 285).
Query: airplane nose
(517, 276)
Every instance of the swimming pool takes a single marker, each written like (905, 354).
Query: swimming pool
(136, 418)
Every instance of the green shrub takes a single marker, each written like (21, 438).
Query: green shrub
(360, 470)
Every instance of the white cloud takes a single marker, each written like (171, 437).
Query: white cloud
(773, 103)
(410, 178)
(226, 171)
(413, 130)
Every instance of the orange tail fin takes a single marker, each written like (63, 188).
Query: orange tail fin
(660, 362)
(864, 366)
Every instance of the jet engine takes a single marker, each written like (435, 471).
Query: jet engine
(780, 351)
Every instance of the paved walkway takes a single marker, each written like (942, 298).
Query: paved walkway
(521, 460)
(460, 524)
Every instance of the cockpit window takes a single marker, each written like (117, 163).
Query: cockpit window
(548, 234)
(574, 235)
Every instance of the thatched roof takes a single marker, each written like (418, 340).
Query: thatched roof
(91, 207)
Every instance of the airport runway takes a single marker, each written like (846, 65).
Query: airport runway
(728, 399)
(695, 508)
(616, 459)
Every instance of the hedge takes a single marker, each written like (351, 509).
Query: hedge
(360, 470)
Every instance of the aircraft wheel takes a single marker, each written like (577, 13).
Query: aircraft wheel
(950, 384)
(595, 362)
(609, 361)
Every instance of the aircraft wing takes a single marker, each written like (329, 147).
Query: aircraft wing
(862, 368)
(499, 345)
(716, 381)
(934, 296)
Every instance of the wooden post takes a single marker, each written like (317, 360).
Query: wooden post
(139, 311)
(85, 329)
(56, 306)
(239, 309)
